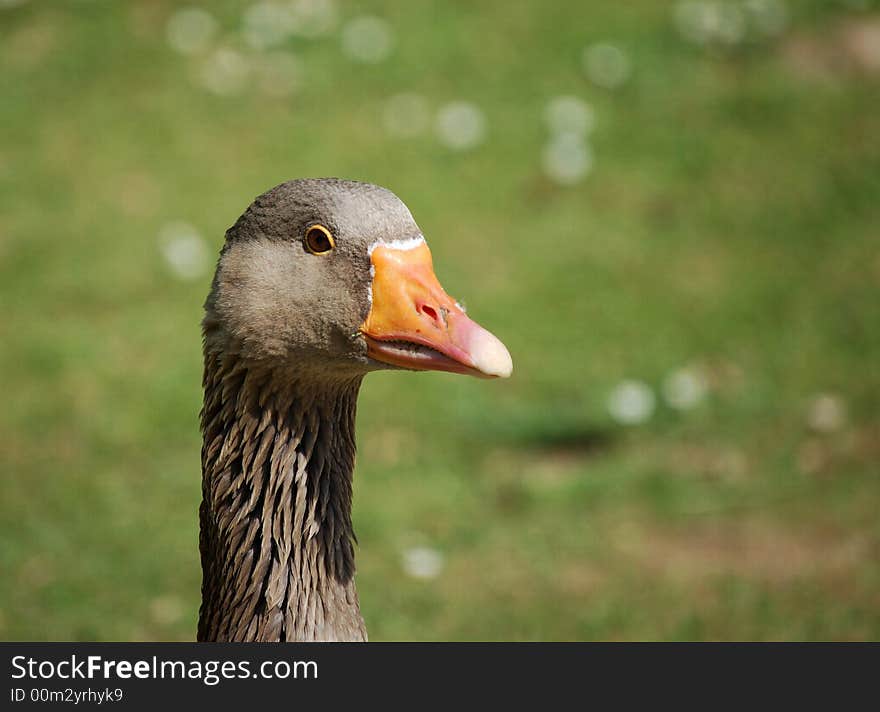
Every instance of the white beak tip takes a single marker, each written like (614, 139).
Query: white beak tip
(490, 356)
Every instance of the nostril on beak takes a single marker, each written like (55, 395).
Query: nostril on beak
(431, 313)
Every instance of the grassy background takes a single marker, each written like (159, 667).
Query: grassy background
(730, 222)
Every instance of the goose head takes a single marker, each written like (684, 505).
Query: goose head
(334, 278)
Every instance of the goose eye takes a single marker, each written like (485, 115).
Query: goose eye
(318, 240)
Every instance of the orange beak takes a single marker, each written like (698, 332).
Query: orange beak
(414, 324)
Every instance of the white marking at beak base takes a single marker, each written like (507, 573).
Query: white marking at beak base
(409, 243)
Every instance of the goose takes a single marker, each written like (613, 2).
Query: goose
(318, 283)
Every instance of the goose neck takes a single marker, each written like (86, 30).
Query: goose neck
(276, 534)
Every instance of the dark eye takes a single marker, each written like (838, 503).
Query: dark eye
(318, 240)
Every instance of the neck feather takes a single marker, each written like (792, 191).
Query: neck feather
(276, 535)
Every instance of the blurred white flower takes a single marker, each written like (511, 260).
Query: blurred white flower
(278, 73)
(267, 24)
(826, 413)
(731, 23)
(692, 20)
(190, 30)
(460, 125)
(224, 71)
(769, 17)
(685, 388)
(566, 159)
(568, 114)
(631, 402)
(422, 562)
(405, 115)
(367, 39)
(184, 250)
(606, 65)
(710, 21)
(313, 18)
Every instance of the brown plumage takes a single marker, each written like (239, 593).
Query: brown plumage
(289, 333)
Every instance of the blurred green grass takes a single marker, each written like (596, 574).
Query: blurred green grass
(730, 221)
